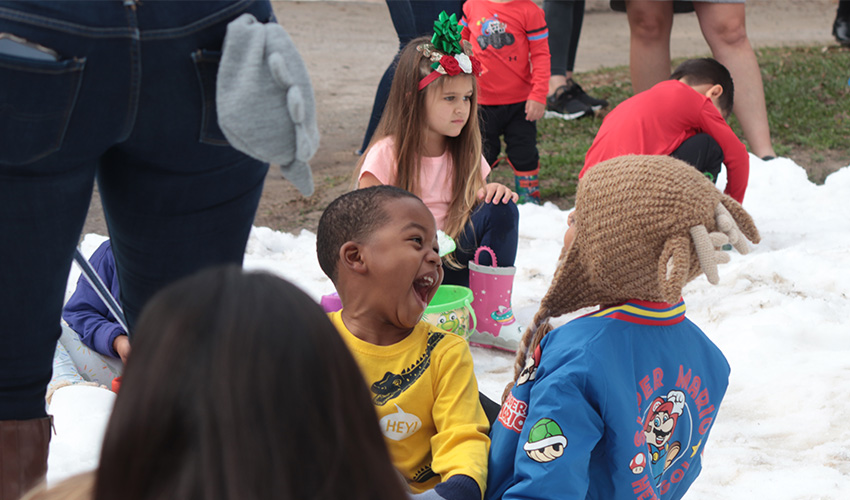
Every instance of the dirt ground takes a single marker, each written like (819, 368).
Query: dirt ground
(347, 46)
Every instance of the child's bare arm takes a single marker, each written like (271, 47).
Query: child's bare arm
(368, 180)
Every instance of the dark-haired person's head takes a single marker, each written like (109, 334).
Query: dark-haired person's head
(240, 387)
(353, 216)
(707, 72)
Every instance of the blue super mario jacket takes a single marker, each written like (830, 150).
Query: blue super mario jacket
(614, 405)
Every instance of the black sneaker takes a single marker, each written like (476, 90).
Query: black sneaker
(594, 103)
(565, 104)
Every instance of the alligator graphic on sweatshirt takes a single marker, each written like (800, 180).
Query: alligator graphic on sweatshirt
(392, 385)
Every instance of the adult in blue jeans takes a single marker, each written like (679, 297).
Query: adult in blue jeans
(411, 19)
(123, 92)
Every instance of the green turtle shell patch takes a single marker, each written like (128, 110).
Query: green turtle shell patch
(546, 441)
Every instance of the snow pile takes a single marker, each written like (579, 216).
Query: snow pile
(780, 314)
(80, 414)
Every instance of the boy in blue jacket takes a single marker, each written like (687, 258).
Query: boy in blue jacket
(619, 403)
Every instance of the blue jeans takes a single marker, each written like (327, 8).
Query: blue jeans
(411, 19)
(130, 101)
(492, 225)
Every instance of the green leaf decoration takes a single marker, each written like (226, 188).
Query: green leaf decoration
(447, 34)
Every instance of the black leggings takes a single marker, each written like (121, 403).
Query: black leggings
(564, 19)
(508, 120)
(843, 9)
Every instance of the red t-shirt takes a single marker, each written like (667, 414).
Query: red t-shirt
(511, 41)
(658, 120)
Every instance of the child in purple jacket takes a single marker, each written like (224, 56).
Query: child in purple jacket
(87, 315)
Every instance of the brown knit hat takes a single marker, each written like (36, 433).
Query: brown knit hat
(646, 225)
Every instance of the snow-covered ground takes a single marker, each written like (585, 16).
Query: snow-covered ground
(780, 314)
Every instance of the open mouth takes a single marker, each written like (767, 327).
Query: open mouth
(423, 287)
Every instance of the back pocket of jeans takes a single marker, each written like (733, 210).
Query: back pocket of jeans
(206, 66)
(36, 102)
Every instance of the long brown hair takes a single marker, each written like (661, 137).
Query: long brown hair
(239, 387)
(404, 120)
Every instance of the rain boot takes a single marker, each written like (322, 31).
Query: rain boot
(527, 186)
(491, 287)
(24, 445)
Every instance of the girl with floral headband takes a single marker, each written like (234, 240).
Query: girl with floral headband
(429, 143)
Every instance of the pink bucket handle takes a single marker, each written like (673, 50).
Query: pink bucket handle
(486, 249)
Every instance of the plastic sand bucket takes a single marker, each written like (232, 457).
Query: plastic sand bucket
(451, 310)
(331, 302)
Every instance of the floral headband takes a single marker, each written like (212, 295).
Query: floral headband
(445, 51)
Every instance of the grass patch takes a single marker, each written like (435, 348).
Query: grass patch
(808, 105)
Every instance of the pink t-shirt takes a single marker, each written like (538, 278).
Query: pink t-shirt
(435, 182)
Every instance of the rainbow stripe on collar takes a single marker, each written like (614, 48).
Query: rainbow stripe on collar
(643, 312)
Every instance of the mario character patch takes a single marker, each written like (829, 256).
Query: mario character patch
(658, 428)
(672, 426)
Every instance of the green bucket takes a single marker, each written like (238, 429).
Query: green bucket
(451, 310)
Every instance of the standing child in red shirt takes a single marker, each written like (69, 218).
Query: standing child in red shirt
(510, 39)
(683, 117)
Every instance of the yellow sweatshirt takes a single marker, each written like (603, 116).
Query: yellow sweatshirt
(426, 396)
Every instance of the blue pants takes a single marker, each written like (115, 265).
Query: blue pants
(411, 19)
(495, 226)
(129, 101)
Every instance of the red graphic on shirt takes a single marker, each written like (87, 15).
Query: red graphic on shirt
(513, 413)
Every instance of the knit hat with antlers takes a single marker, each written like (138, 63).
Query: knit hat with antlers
(645, 226)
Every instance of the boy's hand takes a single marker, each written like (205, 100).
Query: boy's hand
(121, 344)
(497, 193)
(534, 110)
